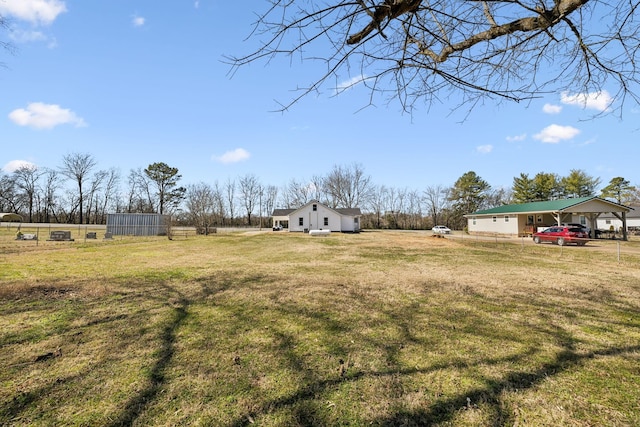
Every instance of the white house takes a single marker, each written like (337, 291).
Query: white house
(525, 218)
(608, 220)
(317, 216)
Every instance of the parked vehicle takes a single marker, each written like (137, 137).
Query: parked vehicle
(578, 225)
(277, 227)
(562, 236)
(441, 229)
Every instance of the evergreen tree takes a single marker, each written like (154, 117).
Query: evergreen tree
(524, 189)
(468, 195)
(547, 187)
(579, 184)
(166, 180)
(618, 189)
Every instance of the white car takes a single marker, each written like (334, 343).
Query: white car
(441, 229)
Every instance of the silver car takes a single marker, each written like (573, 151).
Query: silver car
(441, 229)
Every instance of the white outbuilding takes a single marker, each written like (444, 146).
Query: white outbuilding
(608, 221)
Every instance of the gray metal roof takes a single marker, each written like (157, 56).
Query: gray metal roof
(341, 211)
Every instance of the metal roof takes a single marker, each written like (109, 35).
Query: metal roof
(5, 216)
(549, 206)
(341, 211)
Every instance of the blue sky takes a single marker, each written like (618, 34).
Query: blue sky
(138, 81)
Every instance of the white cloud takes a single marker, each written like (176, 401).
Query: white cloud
(234, 156)
(39, 12)
(19, 35)
(45, 116)
(22, 36)
(553, 134)
(14, 165)
(347, 84)
(517, 138)
(600, 101)
(551, 109)
(484, 149)
(138, 21)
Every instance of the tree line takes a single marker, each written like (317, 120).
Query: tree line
(78, 192)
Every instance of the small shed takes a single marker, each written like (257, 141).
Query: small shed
(10, 217)
(525, 218)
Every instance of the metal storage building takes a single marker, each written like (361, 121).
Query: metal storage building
(138, 224)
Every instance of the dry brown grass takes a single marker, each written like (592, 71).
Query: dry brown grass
(241, 328)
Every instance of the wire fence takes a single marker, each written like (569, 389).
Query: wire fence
(612, 248)
(26, 235)
(42, 233)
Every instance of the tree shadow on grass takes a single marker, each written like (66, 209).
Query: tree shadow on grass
(137, 404)
(162, 294)
(305, 408)
(443, 410)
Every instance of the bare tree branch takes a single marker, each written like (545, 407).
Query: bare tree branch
(426, 50)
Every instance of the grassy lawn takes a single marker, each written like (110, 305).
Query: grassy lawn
(284, 329)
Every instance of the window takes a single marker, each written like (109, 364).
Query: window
(315, 208)
(506, 218)
(583, 220)
(326, 220)
(530, 220)
(539, 218)
(355, 221)
(301, 221)
(474, 220)
(607, 221)
(495, 218)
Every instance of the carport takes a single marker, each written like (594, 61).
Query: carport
(525, 218)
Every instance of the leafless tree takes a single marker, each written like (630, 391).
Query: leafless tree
(634, 196)
(413, 210)
(50, 186)
(95, 185)
(435, 200)
(6, 46)
(9, 200)
(219, 206)
(395, 206)
(77, 166)
(140, 197)
(318, 189)
(230, 190)
(200, 205)
(298, 193)
(426, 49)
(26, 179)
(269, 198)
(249, 192)
(347, 186)
(377, 204)
(498, 197)
(109, 193)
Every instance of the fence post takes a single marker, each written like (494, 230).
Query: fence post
(618, 251)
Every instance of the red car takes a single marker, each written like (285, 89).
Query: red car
(562, 236)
